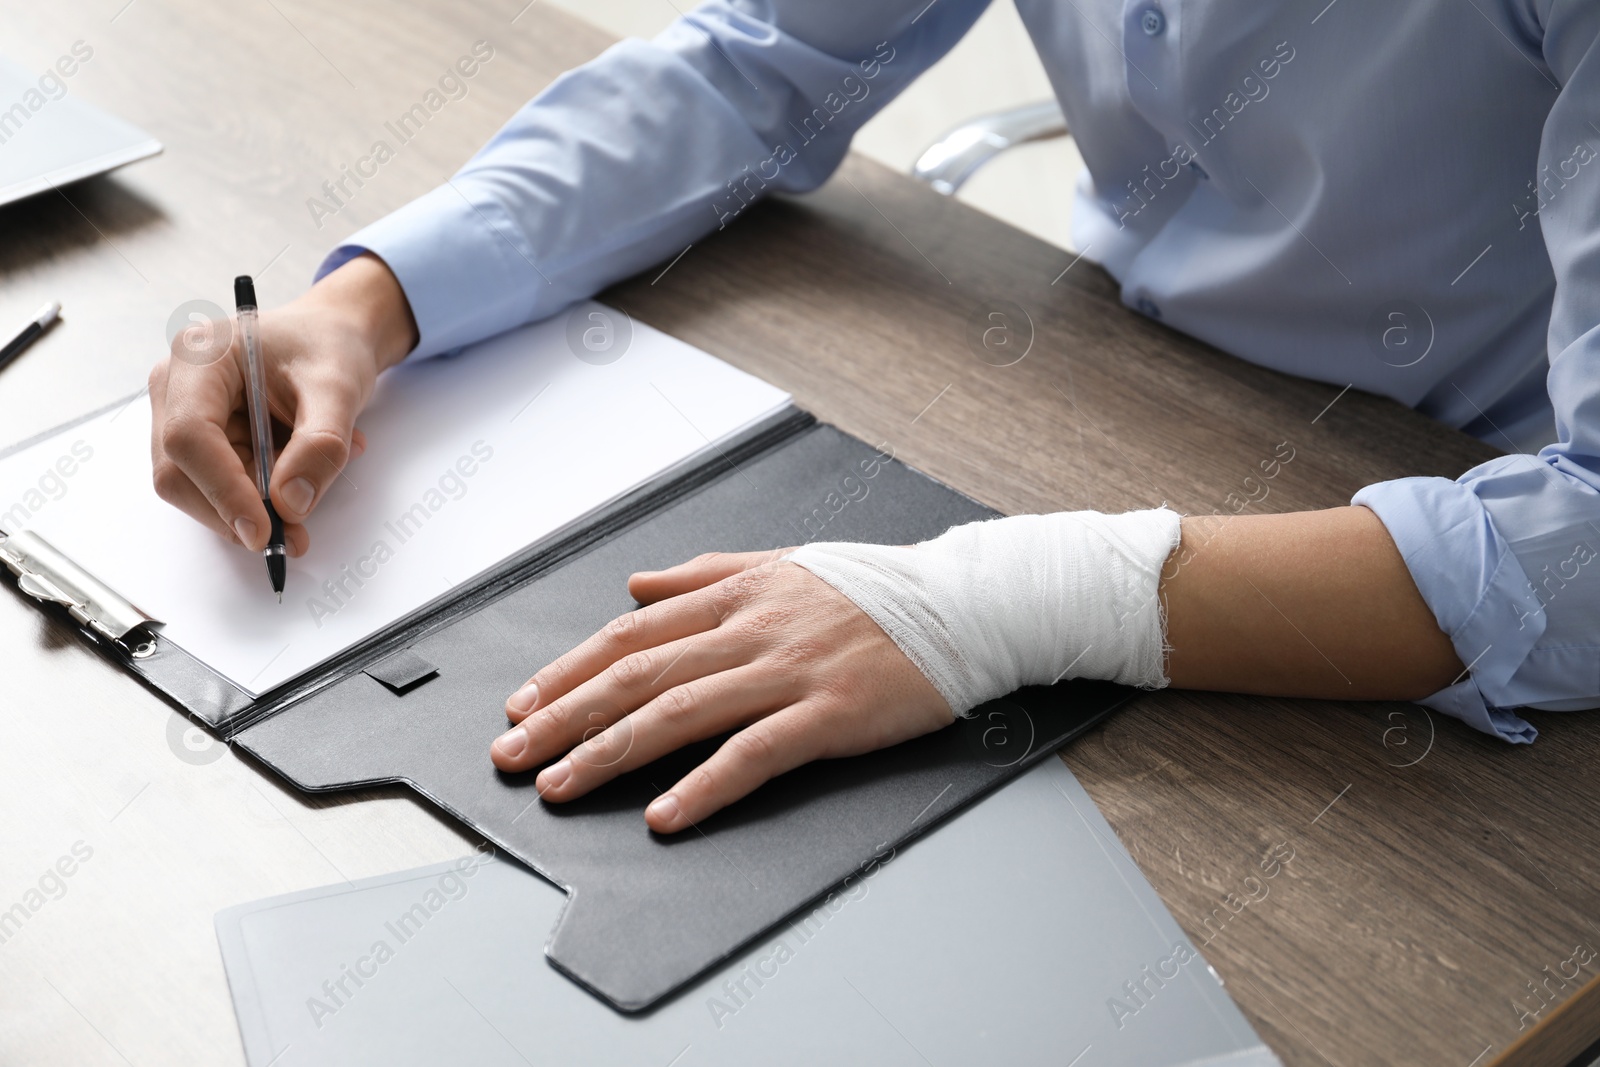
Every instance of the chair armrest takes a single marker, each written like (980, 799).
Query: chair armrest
(955, 157)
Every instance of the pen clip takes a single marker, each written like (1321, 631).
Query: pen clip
(45, 574)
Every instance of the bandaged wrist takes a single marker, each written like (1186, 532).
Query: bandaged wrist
(1028, 600)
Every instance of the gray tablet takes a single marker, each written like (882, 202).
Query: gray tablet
(49, 138)
(1019, 932)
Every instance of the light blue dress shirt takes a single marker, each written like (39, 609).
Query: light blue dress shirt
(1402, 197)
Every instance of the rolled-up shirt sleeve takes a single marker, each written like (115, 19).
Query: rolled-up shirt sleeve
(626, 160)
(1508, 555)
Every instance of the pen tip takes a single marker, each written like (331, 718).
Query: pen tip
(280, 598)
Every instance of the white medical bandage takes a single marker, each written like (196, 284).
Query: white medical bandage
(1028, 600)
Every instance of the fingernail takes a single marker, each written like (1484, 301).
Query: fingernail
(664, 810)
(297, 493)
(245, 531)
(524, 699)
(554, 775)
(512, 742)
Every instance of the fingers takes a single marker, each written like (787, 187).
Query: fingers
(174, 486)
(773, 653)
(702, 707)
(320, 369)
(321, 444)
(647, 587)
(295, 539)
(584, 714)
(193, 462)
(760, 752)
(623, 636)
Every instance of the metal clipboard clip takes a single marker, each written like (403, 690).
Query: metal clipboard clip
(44, 573)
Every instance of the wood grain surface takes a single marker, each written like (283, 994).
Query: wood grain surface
(1440, 882)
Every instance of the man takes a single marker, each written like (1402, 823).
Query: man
(1398, 197)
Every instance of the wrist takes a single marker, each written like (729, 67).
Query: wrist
(1029, 600)
(366, 294)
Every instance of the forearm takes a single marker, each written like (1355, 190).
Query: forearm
(1309, 604)
(624, 162)
(983, 599)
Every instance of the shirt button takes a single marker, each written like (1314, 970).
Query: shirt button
(1146, 306)
(1153, 22)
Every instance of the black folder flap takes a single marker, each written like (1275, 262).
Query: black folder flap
(647, 913)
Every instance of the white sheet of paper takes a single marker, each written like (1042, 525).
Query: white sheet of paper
(469, 459)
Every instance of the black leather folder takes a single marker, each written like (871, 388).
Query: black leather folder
(420, 702)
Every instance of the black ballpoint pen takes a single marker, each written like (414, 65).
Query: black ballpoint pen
(30, 333)
(255, 391)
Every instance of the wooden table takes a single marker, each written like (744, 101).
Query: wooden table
(1436, 872)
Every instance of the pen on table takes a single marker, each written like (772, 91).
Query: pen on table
(30, 333)
(255, 391)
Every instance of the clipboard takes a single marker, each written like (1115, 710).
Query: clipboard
(419, 700)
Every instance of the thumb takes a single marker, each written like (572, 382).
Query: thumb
(317, 451)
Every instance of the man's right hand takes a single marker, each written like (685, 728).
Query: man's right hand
(323, 354)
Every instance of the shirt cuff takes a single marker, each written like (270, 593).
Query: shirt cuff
(461, 264)
(1476, 589)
